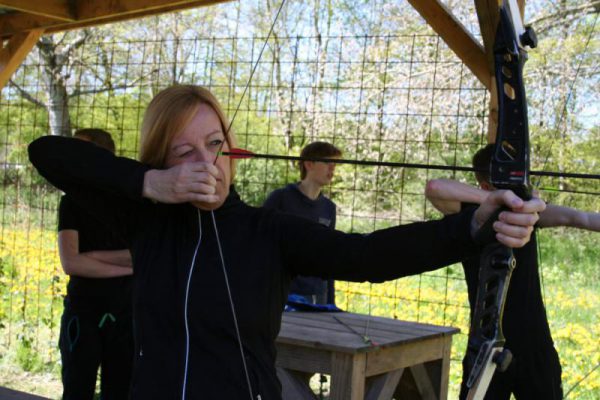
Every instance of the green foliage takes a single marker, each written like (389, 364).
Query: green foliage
(26, 356)
(573, 255)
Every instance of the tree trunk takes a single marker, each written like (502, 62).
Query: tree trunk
(58, 100)
(58, 108)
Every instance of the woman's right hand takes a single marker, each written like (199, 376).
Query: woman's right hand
(514, 226)
(187, 182)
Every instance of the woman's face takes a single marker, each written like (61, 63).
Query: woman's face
(200, 141)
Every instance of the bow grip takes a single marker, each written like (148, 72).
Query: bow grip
(486, 234)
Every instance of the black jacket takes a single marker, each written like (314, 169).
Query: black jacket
(263, 249)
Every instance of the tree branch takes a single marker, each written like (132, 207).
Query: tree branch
(26, 95)
(111, 87)
(75, 44)
(559, 16)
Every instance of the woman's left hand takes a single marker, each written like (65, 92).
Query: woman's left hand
(514, 227)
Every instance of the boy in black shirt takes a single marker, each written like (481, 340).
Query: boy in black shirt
(96, 326)
(535, 371)
(305, 199)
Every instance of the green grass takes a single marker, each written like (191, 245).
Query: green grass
(571, 283)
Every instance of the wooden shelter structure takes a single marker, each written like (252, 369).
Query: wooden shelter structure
(23, 22)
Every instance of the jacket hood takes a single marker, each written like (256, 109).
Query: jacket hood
(232, 202)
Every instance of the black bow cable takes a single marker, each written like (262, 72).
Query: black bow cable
(242, 155)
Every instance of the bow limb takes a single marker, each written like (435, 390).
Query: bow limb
(509, 169)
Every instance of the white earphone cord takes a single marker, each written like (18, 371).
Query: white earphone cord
(235, 321)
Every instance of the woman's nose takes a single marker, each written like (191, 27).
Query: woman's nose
(204, 155)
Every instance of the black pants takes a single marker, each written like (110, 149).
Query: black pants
(93, 336)
(535, 371)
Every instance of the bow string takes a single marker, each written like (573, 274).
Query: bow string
(509, 169)
(214, 220)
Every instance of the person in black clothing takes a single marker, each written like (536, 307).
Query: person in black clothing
(305, 199)
(535, 371)
(212, 273)
(96, 325)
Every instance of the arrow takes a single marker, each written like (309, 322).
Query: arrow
(240, 154)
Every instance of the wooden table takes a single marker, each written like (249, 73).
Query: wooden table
(9, 394)
(406, 359)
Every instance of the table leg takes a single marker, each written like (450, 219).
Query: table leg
(445, 373)
(382, 387)
(422, 374)
(294, 387)
(347, 376)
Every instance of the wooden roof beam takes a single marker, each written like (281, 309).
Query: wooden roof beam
(456, 36)
(107, 12)
(55, 9)
(93, 10)
(14, 51)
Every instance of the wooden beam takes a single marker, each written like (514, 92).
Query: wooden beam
(488, 15)
(93, 12)
(15, 23)
(456, 36)
(55, 9)
(133, 14)
(522, 8)
(14, 51)
(89, 10)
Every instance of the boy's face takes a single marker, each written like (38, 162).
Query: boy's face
(320, 172)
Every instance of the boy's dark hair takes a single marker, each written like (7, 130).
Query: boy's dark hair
(317, 150)
(97, 136)
(481, 162)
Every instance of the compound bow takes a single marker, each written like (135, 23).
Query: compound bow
(509, 169)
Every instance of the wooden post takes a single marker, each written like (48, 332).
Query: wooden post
(493, 111)
(456, 36)
(487, 12)
(13, 52)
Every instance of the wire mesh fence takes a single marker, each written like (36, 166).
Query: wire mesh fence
(402, 98)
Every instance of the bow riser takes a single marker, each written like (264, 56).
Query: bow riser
(486, 340)
(509, 169)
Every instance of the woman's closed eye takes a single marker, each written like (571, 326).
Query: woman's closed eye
(185, 153)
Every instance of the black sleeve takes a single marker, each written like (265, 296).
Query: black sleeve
(314, 250)
(109, 187)
(464, 206)
(66, 217)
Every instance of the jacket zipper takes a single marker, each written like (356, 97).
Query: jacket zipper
(185, 308)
